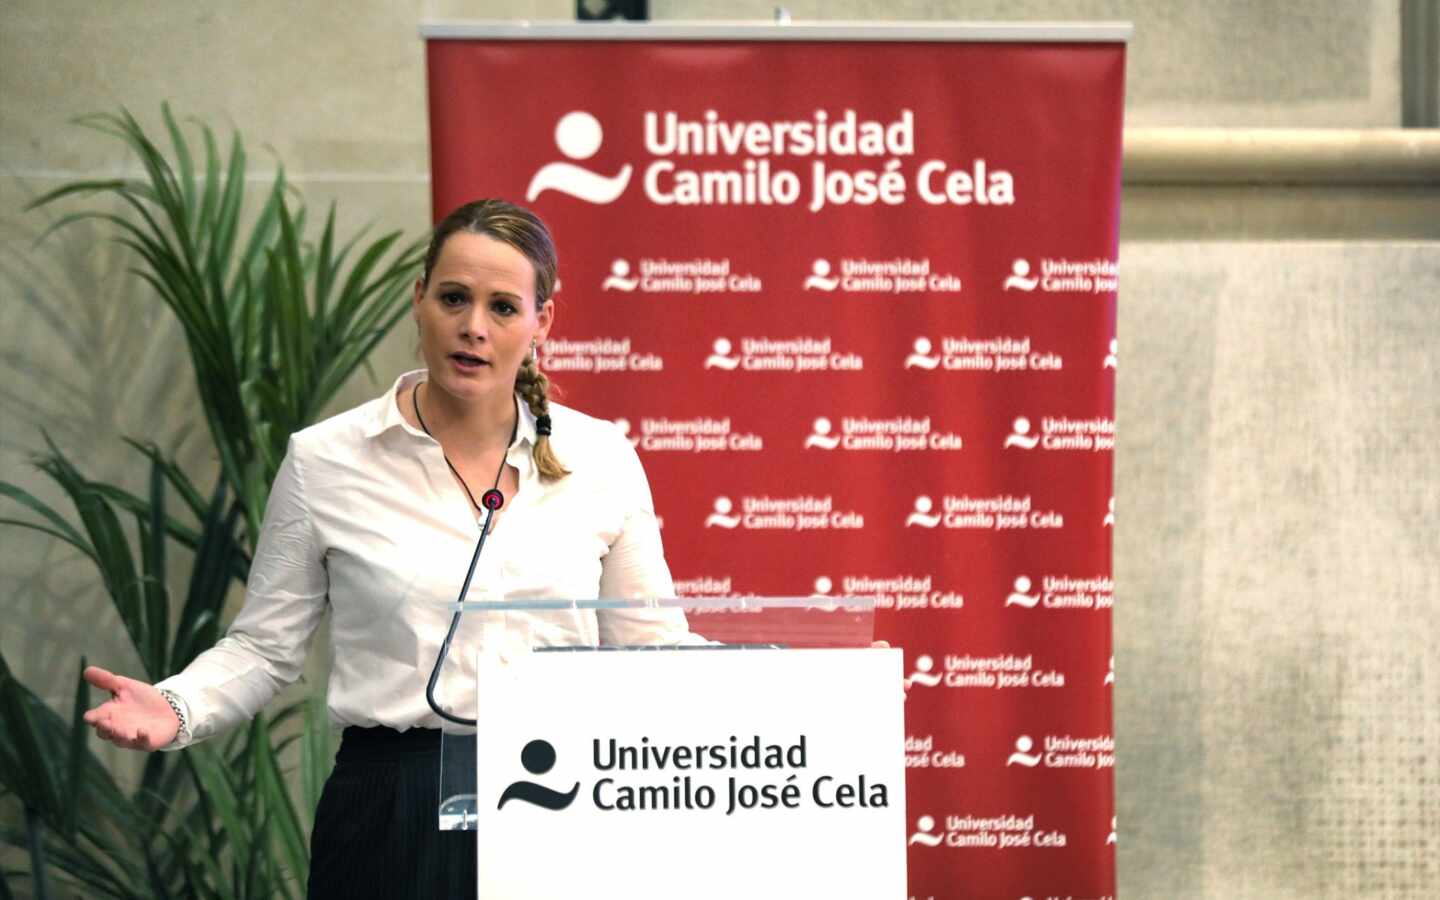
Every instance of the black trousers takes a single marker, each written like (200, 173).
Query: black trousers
(375, 833)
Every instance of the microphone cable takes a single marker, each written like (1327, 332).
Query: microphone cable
(491, 500)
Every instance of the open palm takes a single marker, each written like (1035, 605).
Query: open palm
(136, 716)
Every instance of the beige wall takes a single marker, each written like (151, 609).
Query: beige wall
(1278, 689)
(1278, 705)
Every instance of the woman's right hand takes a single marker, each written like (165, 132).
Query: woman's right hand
(135, 717)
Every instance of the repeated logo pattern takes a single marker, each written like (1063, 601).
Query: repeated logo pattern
(949, 490)
(945, 472)
(858, 359)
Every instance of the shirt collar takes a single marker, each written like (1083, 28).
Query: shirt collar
(525, 430)
(387, 413)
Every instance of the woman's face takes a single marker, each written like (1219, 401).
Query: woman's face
(477, 316)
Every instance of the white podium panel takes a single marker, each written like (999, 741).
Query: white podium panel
(691, 773)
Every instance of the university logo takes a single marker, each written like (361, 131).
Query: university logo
(804, 353)
(1063, 276)
(578, 136)
(710, 276)
(899, 434)
(1067, 593)
(720, 515)
(921, 356)
(905, 591)
(997, 831)
(821, 437)
(1022, 755)
(902, 275)
(923, 674)
(997, 512)
(1061, 433)
(1064, 751)
(538, 757)
(924, 833)
(721, 357)
(1021, 595)
(796, 513)
(1020, 435)
(619, 278)
(921, 515)
(1020, 278)
(990, 354)
(819, 278)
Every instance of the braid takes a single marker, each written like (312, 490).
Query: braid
(533, 387)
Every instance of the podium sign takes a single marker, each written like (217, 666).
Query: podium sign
(703, 773)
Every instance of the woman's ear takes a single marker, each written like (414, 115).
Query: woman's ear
(546, 315)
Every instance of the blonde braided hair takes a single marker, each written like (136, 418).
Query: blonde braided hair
(522, 229)
(533, 387)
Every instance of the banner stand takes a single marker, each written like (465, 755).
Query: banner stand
(849, 290)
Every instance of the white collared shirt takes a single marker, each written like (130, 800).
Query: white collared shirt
(365, 516)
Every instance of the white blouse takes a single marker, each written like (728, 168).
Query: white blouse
(366, 517)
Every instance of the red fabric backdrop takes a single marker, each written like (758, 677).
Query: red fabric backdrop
(906, 391)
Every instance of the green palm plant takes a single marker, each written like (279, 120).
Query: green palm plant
(274, 326)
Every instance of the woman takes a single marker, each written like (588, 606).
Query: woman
(375, 513)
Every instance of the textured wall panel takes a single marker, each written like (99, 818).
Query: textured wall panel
(1278, 574)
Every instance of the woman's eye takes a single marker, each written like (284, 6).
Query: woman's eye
(504, 307)
(452, 298)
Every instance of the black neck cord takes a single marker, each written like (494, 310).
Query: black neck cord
(514, 429)
(491, 500)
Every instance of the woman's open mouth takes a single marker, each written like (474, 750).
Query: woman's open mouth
(468, 362)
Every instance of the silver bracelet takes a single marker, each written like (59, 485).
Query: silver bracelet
(182, 734)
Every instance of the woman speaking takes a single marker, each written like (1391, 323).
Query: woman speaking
(376, 513)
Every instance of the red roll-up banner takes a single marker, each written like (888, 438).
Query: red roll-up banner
(852, 292)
